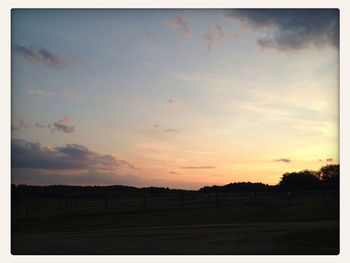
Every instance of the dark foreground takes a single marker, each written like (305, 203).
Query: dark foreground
(287, 238)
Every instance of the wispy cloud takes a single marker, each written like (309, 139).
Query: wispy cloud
(180, 22)
(39, 92)
(62, 125)
(198, 167)
(171, 131)
(39, 125)
(330, 160)
(73, 96)
(175, 173)
(26, 154)
(290, 29)
(168, 130)
(283, 160)
(41, 56)
(22, 123)
(216, 34)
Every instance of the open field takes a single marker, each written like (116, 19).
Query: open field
(257, 239)
(194, 224)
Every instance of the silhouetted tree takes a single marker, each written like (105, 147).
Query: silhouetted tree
(300, 181)
(329, 175)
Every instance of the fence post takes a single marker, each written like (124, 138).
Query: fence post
(106, 206)
(67, 206)
(181, 200)
(254, 195)
(289, 197)
(26, 212)
(144, 202)
(217, 199)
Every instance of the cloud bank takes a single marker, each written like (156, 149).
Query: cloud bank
(290, 29)
(26, 154)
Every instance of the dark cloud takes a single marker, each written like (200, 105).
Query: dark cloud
(171, 101)
(330, 160)
(198, 167)
(290, 29)
(62, 125)
(26, 154)
(180, 22)
(283, 160)
(41, 56)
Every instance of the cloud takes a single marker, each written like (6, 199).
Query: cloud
(175, 173)
(72, 96)
(21, 124)
(37, 124)
(290, 29)
(41, 56)
(171, 131)
(180, 22)
(320, 160)
(26, 154)
(221, 31)
(171, 101)
(62, 125)
(198, 167)
(330, 160)
(217, 34)
(150, 35)
(166, 130)
(283, 160)
(39, 92)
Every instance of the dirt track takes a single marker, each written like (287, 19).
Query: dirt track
(232, 239)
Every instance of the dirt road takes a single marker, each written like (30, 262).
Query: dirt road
(230, 239)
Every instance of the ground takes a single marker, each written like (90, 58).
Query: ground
(245, 239)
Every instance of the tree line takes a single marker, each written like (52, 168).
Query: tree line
(325, 179)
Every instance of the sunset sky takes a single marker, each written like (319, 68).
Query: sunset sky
(172, 98)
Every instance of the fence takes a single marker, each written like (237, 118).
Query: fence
(45, 208)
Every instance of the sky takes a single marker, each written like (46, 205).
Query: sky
(172, 98)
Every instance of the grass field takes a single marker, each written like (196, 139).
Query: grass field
(267, 225)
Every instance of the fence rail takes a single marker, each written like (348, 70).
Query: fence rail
(45, 208)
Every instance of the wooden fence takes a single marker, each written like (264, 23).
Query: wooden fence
(42, 208)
